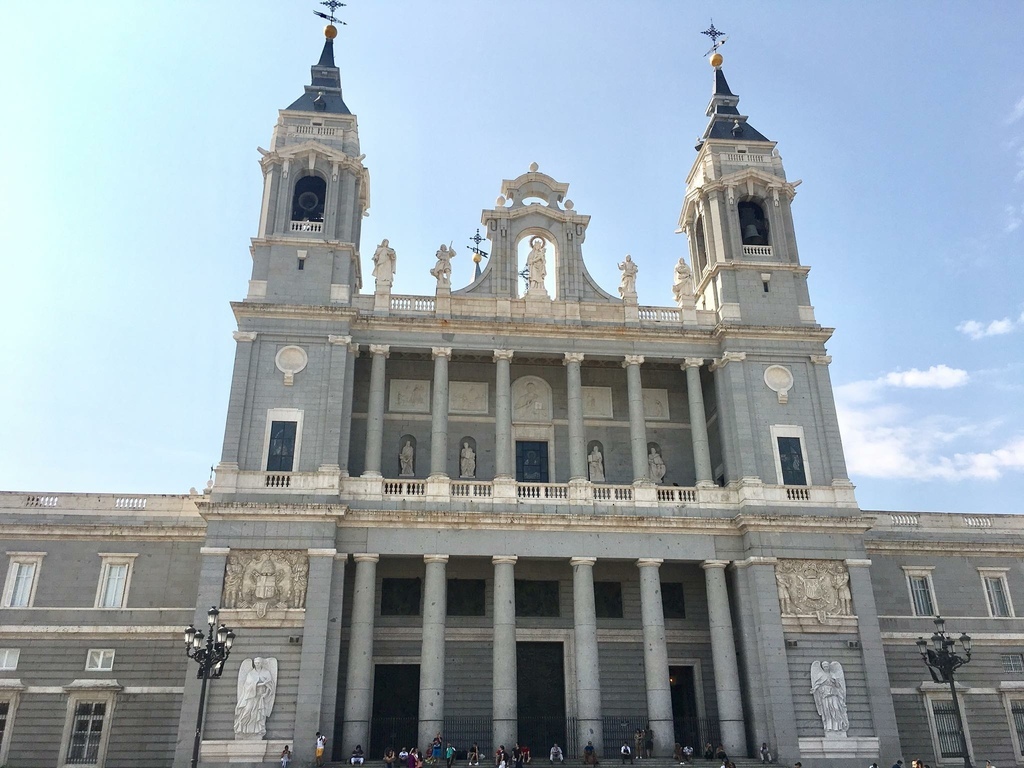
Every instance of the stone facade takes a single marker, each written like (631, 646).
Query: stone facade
(712, 576)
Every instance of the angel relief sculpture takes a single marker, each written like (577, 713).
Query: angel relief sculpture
(266, 579)
(256, 691)
(828, 686)
(819, 588)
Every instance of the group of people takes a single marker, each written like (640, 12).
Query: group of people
(413, 758)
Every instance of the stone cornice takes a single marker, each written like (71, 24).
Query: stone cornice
(845, 524)
(257, 511)
(143, 531)
(959, 547)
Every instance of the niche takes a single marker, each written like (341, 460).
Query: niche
(753, 224)
(407, 456)
(309, 198)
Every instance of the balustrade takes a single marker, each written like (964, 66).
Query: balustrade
(307, 226)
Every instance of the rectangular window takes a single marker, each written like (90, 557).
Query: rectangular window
(997, 602)
(1017, 713)
(9, 659)
(99, 660)
(115, 579)
(399, 597)
(537, 598)
(791, 458)
(5, 710)
(466, 597)
(22, 578)
(1012, 662)
(608, 599)
(86, 732)
(672, 600)
(281, 455)
(950, 744)
(921, 593)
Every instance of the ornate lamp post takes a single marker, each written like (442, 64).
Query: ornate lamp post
(943, 660)
(211, 658)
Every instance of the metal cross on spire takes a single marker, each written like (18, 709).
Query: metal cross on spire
(478, 255)
(332, 6)
(714, 34)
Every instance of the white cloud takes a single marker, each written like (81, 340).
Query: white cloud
(1014, 217)
(936, 377)
(1017, 114)
(978, 330)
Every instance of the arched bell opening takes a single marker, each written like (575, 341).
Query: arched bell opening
(701, 246)
(753, 223)
(309, 199)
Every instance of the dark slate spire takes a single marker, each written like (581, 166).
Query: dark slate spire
(323, 94)
(726, 121)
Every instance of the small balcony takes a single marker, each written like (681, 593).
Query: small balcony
(307, 227)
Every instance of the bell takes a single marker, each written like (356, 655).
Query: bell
(752, 236)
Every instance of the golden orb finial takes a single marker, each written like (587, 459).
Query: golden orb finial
(716, 59)
(477, 258)
(330, 31)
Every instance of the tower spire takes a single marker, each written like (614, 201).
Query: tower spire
(726, 121)
(323, 94)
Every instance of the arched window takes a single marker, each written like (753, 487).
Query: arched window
(701, 246)
(753, 223)
(308, 200)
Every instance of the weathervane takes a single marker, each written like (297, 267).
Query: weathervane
(714, 34)
(478, 255)
(333, 6)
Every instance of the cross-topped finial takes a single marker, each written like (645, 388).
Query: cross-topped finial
(478, 254)
(714, 34)
(332, 6)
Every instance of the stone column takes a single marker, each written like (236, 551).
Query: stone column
(332, 660)
(577, 441)
(345, 436)
(313, 655)
(504, 685)
(504, 458)
(439, 419)
(876, 672)
(431, 712)
(359, 677)
(637, 420)
(231, 453)
(723, 657)
(375, 411)
(336, 382)
(211, 586)
(698, 423)
(588, 678)
(659, 694)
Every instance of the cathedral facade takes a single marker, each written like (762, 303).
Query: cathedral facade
(524, 510)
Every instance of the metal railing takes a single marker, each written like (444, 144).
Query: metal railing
(697, 731)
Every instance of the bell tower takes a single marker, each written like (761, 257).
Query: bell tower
(738, 220)
(315, 192)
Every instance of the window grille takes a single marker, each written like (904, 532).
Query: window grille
(86, 732)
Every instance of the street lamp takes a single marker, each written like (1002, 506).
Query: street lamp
(943, 660)
(211, 658)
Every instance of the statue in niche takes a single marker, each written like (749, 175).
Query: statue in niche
(257, 689)
(595, 461)
(384, 263)
(467, 461)
(406, 459)
(260, 579)
(819, 588)
(682, 284)
(656, 465)
(442, 271)
(828, 686)
(536, 265)
(627, 287)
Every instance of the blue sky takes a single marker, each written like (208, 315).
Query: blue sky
(130, 188)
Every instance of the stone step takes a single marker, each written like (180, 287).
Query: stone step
(654, 762)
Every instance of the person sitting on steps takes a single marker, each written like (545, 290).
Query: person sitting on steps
(556, 755)
(590, 754)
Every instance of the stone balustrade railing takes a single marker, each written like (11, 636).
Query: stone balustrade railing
(313, 227)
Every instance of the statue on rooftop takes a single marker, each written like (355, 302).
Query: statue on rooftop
(628, 285)
(384, 262)
(682, 285)
(536, 265)
(442, 270)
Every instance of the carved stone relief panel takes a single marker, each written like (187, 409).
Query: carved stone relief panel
(467, 397)
(819, 588)
(597, 402)
(262, 579)
(408, 396)
(531, 399)
(655, 404)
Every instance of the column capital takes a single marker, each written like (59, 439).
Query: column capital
(243, 335)
(353, 347)
(692, 362)
(649, 562)
(821, 359)
(572, 357)
(435, 559)
(503, 354)
(629, 360)
(380, 349)
(339, 340)
(365, 557)
(709, 564)
(504, 559)
(445, 352)
(322, 552)
(574, 561)
(214, 550)
(728, 357)
(857, 563)
(757, 561)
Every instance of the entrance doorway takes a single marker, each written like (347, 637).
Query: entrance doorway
(540, 671)
(531, 463)
(396, 697)
(689, 727)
